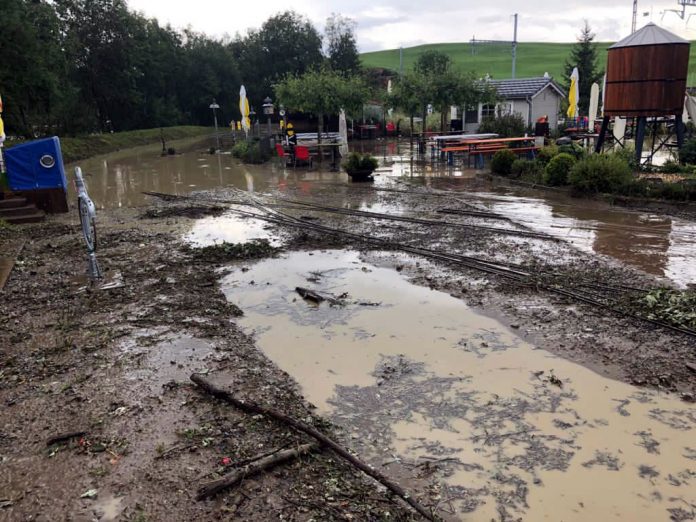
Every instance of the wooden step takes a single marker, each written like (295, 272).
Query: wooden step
(12, 202)
(17, 211)
(34, 216)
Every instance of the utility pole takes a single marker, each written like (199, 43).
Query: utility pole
(401, 61)
(214, 106)
(514, 50)
(635, 16)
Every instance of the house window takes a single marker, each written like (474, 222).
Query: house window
(488, 111)
(471, 115)
(504, 109)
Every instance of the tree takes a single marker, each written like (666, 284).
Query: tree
(287, 43)
(322, 92)
(341, 46)
(434, 81)
(583, 55)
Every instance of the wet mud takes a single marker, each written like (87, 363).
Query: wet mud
(459, 405)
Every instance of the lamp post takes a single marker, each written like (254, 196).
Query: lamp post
(268, 111)
(214, 106)
(252, 115)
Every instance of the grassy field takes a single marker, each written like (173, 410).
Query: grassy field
(82, 147)
(533, 59)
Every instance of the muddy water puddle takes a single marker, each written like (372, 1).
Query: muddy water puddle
(440, 396)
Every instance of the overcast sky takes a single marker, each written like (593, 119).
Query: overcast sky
(387, 24)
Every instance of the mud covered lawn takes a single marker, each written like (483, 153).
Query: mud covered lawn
(115, 363)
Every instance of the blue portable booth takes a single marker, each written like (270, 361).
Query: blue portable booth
(35, 170)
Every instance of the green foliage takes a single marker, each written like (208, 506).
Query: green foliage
(502, 161)
(505, 125)
(527, 170)
(573, 149)
(601, 173)
(628, 155)
(322, 92)
(584, 56)
(687, 154)
(671, 167)
(250, 152)
(676, 307)
(434, 81)
(360, 163)
(240, 149)
(547, 153)
(557, 170)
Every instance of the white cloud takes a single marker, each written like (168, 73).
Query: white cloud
(391, 23)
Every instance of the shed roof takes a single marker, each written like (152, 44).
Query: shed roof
(524, 87)
(651, 34)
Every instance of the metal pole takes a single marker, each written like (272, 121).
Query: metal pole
(217, 135)
(514, 50)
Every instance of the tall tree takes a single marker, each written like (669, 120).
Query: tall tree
(583, 55)
(322, 92)
(287, 43)
(341, 46)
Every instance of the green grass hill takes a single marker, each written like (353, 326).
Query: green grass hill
(533, 59)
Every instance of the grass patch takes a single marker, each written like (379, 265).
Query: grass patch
(533, 58)
(82, 147)
(224, 252)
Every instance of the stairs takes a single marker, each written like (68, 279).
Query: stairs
(16, 211)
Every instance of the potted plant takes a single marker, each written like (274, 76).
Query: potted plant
(360, 166)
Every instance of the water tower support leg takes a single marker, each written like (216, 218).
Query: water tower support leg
(602, 134)
(680, 130)
(640, 137)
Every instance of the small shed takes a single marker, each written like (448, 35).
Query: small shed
(531, 98)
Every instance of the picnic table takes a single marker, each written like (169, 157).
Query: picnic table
(319, 148)
(487, 147)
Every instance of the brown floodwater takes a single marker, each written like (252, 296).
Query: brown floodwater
(659, 245)
(119, 179)
(417, 379)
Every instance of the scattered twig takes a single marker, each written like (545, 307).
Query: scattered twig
(64, 436)
(248, 407)
(232, 479)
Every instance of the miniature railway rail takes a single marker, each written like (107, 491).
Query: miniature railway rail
(542, 280)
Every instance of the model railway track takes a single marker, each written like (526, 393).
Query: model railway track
(512, 273)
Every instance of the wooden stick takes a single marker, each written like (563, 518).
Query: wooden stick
(64, 436)
(232, 479)
(248, 407)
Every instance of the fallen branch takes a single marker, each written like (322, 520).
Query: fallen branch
(232, 479)
(310, 295)
(64, 436)
(221, 394)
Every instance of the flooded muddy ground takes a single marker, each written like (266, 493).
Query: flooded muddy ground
(486, 398)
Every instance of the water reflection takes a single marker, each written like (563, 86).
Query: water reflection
(118, 180)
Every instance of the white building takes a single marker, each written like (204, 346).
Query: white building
(531, 98)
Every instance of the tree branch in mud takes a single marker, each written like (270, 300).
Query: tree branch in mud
(232, 479)
(249, 407)
(64, 436)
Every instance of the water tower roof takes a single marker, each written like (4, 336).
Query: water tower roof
(651, 34)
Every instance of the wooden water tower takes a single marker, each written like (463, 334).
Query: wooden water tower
(646, 78)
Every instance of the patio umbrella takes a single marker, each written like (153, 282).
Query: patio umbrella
(594, 105)
(574, 94)
(244, 109)
(343, 132)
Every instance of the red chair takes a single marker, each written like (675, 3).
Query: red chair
(280, 151)
(302, 154)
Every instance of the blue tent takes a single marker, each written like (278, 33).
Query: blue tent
(35, 165)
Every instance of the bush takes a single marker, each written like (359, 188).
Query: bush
(250, 152)
(574, 150)
(556, 172)
(506, 126)
(502, 162)
(360, 162)
(628, 155)
(527, 170)
(671, 167)
(547, 153)
(601, 173)
(687, 154)
(240, 149)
